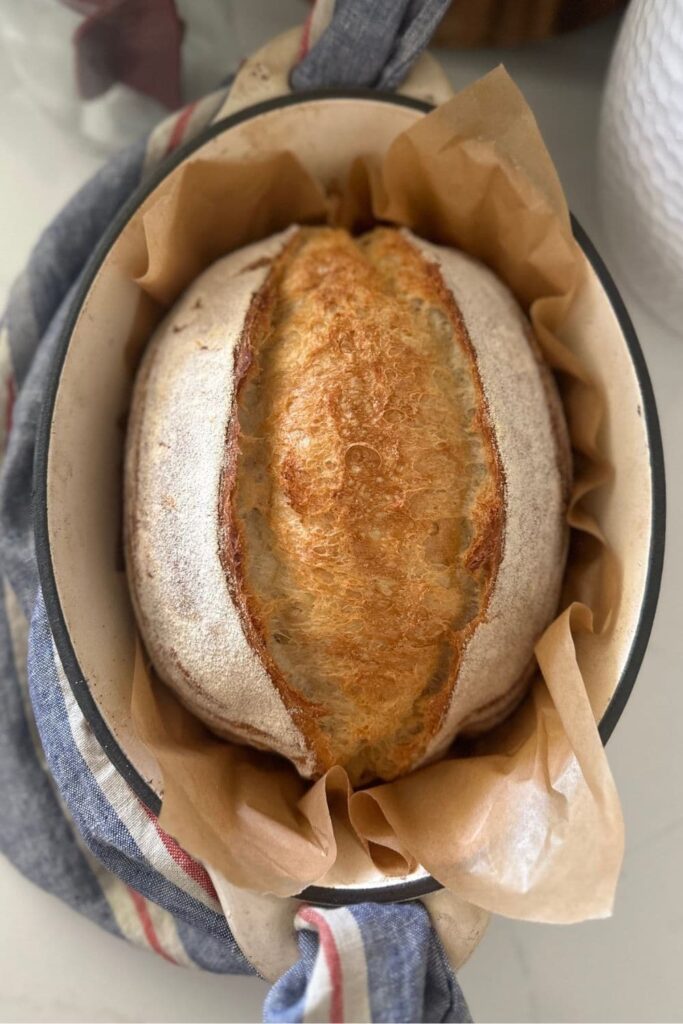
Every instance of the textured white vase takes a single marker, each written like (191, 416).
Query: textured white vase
(641, 155)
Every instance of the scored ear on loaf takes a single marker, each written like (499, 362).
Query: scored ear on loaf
(347, 474)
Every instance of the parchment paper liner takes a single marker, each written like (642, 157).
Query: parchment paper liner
(527, 821)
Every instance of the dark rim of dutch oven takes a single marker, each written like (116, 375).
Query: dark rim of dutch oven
(401, 891)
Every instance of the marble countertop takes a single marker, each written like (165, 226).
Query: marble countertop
(59, 967)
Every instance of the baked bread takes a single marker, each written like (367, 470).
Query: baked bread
(347, 473)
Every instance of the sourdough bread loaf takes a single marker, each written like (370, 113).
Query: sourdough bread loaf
(347, 473)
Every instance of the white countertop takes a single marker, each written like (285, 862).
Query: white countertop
(57, 966)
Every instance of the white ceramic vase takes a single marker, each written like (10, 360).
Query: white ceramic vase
(641, 156)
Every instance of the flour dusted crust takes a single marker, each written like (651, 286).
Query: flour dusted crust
(533, 446)
(346, 484)
(174, 457)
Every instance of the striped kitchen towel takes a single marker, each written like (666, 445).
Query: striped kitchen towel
(69, 821)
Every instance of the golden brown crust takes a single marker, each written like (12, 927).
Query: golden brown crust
(362, 497)
(232, 534)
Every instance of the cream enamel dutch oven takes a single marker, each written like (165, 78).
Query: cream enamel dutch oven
(80, 450)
